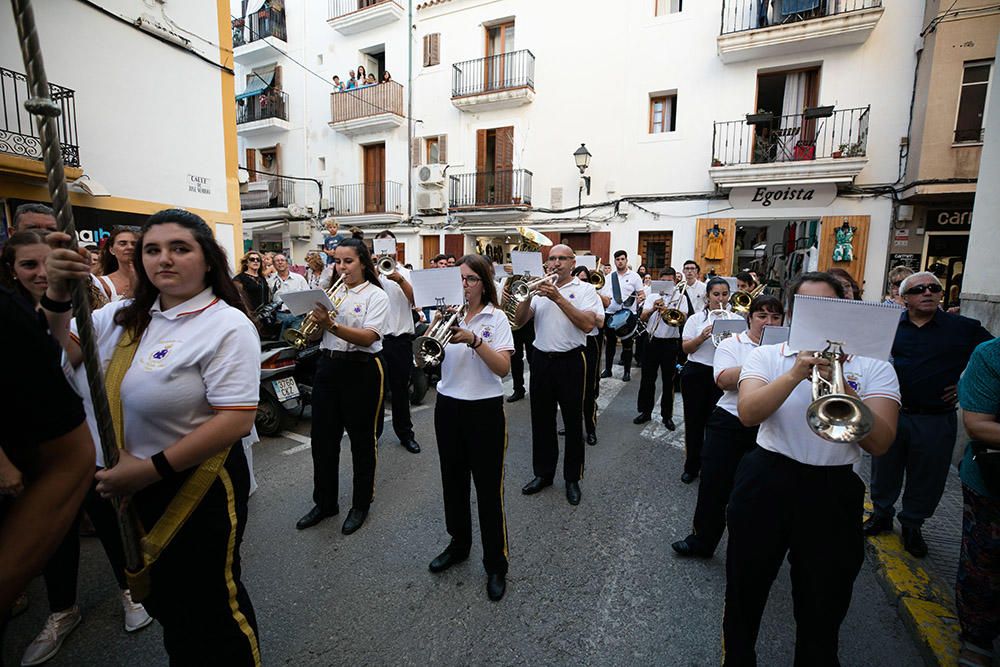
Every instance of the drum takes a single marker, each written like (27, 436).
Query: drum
(625, 323)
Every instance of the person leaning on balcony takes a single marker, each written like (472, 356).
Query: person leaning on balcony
(338, 86)
(352, 82)
(370, 81)
(386, 77)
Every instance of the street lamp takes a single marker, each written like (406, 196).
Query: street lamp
(582, 157)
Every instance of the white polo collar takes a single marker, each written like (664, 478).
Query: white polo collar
(192, 306)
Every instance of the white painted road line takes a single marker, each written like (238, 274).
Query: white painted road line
(297, 437)
(296, 450)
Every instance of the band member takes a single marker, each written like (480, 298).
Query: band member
(694, 292)
(185, 335)
(745, 282)
(397, 351)
(471, 428)
(623, 287)
(348, 389)
(661, 356)
(796, 494)
(564, 311)
(698, 387)
(726, 439)
(595, 344)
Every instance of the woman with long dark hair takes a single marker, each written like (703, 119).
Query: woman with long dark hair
(183, 374)
(117, 277)
(253, 283)
(22, 265)
(349, 385)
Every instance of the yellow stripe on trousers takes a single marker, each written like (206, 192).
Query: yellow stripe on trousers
(234, 604)
(503, 476)
(583, 396)
(378, 409)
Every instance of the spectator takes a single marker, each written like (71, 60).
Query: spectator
(362, 75)
(286, 281)
(22, 266)
(978, 566)
(929, 352)
(95, 259)
(371, 80)
(33, 216)
(117, 270)
(337, 85)
(896, 276)
(352, 82)
(314, 268)
(267, 265)
(449, 260)
(256, 291)
(851, 288)
(386, 77)
(331, 239)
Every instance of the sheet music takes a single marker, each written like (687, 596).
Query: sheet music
(384, 246)
(732, 283)
(529, 263)
(303, 301)
(773, 335)
(589, 261)
(864, 328)
(731, 326)
(664, 288)
(437, 287)
(499, 271)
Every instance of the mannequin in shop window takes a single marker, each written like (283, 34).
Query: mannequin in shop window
(843, 250)
(713, 249)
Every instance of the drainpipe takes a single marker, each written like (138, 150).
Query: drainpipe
(409, 112)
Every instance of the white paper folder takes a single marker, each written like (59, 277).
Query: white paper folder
(864, 328)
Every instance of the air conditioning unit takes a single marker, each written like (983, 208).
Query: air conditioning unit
(297, 211)
(299, 229)
(431, 175)
(432, 201)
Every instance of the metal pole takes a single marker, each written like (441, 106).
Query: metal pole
(409, 112)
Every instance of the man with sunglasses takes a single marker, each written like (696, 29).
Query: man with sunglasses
(929, 353)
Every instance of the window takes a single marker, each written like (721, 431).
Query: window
(663, 113)
(664, 7)
(972, 101)
(430, 150)
(433, 150)
(432, 49)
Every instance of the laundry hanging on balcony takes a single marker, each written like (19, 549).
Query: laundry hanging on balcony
(256, 84)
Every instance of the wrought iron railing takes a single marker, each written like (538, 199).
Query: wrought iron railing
(340, 8)
(18, 131)
(509, 187)
(969, 136)
(265, 22)
(261, 106)
(268, 192)
(362, 198)
(740, 15)
(366, 101)
(774, 138)
(493, 73)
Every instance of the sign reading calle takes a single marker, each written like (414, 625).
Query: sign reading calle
(783, 196)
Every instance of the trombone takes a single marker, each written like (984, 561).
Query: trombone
(428, 350)
(299, 338)
(675, 317)
(740, 301)
(386, 265)
(522, 289)
(835, 415)
(597, 276)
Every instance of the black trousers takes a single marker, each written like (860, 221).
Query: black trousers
(523, 349)
(62, 571)
(557, 379)
(726, 441)
(472, 441)
(700, 396)
(641, 344)
(197, 594)
(811, 513)
(660, 359)
(347, 395)
(593, 389)
(397, 353)
(611, 345)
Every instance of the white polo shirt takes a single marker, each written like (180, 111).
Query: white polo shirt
(293, 283)
(194, 359)
(399, 320)
(786, 431)
(697, 293)
(630, 283)
(705, 354)
(731, 353)
(365, 307)
(464, 375)
(655, 326)
(554, 332)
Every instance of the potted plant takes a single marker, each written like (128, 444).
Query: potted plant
(856, 149)
(716, 162)
(839, 152)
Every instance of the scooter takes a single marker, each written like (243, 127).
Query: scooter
(279, 392)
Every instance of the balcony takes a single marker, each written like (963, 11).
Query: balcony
(349, 17)
(255, 34)
(498, 195)
(368, 109)
(378, 203)
(793, 26)
(798, 148)
(502, 81)
(18, 133)
(262, 112)
(268, 193)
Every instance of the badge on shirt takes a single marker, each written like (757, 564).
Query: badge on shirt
(486, 333)
(159, 356)
(853, 381)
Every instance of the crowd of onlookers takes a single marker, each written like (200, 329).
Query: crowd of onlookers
(359, 78)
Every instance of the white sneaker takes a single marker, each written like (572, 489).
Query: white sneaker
(50, 639)
(136, 617)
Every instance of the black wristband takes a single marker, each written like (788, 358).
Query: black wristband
(479, 341)
(55, 306)
(162, 465)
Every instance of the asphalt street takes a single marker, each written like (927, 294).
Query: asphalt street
(596, 584)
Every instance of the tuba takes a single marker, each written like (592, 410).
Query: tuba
(428, 350)
(386, 265)
(299, 338)
(597, 277)
(740, 301)
(507, 302)
(833, 414)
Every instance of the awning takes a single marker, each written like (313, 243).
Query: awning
(256, 84)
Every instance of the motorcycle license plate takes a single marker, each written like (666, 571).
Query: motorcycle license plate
(285, 389)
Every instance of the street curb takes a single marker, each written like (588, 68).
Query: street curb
(924, 603)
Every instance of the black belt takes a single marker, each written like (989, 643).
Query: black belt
(556, 355)
(403, 335)
(348, 356)
(927, 411)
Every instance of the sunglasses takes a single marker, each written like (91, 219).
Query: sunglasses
(253, 259)
(897, 283)
(933, 288)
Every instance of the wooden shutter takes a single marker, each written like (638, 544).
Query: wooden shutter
(443, 148)
(504, 180)
(431, 247)
(252, 163)
(276, 81)
(723, 267)
(427, 51)
(454, 244)
(432, 49)
(828, 239)
(481, 167)
(415, 157)
(600, 245)
(401, 253)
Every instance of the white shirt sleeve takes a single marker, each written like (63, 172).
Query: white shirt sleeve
(377, 312)
(726, 356)
(692, 327)
(232, 373)
(757, 364)
(590, 302)
(880, 381)
(503, 335)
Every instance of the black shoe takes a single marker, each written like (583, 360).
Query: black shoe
(516, 396)
(496, 586)
(536, 485)
(355, 519)
(453, 555)
(411, 445)
(591, 439)
(913, 541)
(688, 550)
(669, 423)
(606, 374)
(642, 418)
(627, 376)
(687, 477)
(573, 493)
(876, 524)
(314, 516)
(562, 431)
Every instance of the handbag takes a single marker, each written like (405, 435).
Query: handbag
(988, 461)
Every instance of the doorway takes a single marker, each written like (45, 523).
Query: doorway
(495, 165)
(499, 41)
(431, 249)
(785, 95)
(374, 185)
(944, 256)
(373, 59)
(656, 249)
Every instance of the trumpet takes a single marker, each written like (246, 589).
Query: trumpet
(428, 350)
(740, 301)
(522, 289)
(834, 415)
(386, 264)
(721, 314)
(597, 276)
(299, 338)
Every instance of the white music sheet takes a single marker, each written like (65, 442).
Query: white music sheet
(773, 335)
(732, 283)
(589, 261)
(529, 263)
(303, 301)
(662, 287)
(499, 271)
(384, 246)
(864, 328)
(730, 326)
(437, 287)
